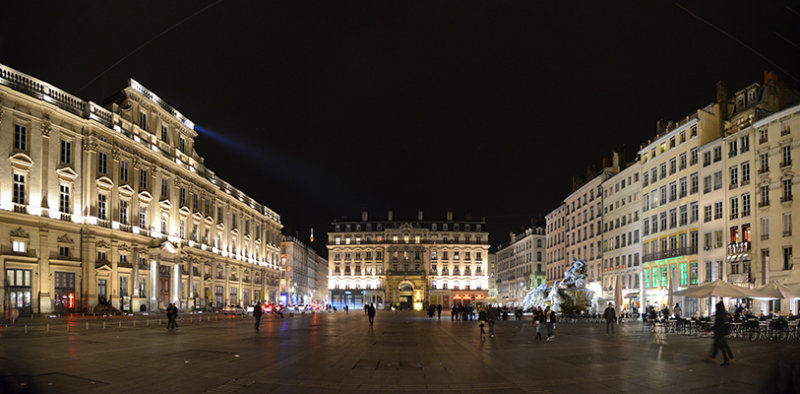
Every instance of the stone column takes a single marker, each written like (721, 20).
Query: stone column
(46, 129)
(190, 290)
(153, 285)
(89, 279)
(135, 278)
(45, 279)
(175, 288)
(114, 280)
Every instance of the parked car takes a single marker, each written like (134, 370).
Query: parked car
(233, 310)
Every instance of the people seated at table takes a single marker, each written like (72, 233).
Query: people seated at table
(762, 316)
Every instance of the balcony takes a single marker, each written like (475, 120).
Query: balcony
(65, 217)
(20, 208)
(745, 182)
(787, 233)
(763, 170)
(739, 247)
(764, 237)
(670, 253)
(740, 278)
(763, 204)
(57, 256)
(786, 198)
(732, 186)
(787, 163)
(734, 216)
(104, 223)
(404, 273)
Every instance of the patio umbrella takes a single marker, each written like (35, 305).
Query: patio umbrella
(773, 291)
(716, 288)
(618, 294)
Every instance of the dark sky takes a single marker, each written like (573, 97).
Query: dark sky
(483, 108)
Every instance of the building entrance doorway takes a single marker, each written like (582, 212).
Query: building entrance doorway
(406, 295)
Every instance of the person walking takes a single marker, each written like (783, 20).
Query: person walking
(366, 307)
(550, 321)
(611, 317)
(371, 313)
(439, 310)
(481, 321)
(257, 314)
(677, 311)
(721, 332)
(453, 313)
(172, 314)
(539, 318)
(491, 318)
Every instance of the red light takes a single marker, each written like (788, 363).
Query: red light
(71, 302)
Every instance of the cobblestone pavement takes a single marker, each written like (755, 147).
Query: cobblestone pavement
(403, 352)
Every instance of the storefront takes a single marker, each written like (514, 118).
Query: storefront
(64, 292)
(19, 289)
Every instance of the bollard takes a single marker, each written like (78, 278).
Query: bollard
(120, 324)
(26, 328)
(148, 322)
(134, 324)
(104, 325)
(87, 326)
(191, 319)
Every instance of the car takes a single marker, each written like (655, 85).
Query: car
(233, 310)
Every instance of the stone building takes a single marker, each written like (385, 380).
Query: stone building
(556, 263)
(520, 265)
(302, 273)
(622, 206)
(407, 263)
(113, 204)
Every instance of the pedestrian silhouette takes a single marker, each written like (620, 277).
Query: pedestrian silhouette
(371, 313)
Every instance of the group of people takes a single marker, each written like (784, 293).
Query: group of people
(545, 318)
(462, 312)
(435, 309)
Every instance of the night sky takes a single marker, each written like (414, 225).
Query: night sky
(323, 109)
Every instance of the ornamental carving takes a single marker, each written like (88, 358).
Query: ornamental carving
(102, 244)
(65, 239)
(46, 125)
(124, 248)
(115, 151)
(19, 233)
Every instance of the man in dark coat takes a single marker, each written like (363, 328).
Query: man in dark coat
(257, 314)
(439, 310)
(611, 317)
(371, 313)
(172, 314)
(491, 318)
(721, 331)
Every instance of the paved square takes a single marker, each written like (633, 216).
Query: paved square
(403, 352)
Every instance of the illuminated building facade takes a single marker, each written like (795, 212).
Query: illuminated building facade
(302, 273)
(114, 205)
(520, 265)
(622, 206)
(671, 200)
(556, 245)
(407, 263)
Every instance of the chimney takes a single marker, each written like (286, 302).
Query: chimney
(615, 160)
(722, 100)
(419, 216)
(605, 162)
(660, 127)
(364, 216)
(389, 215)
(449, 215)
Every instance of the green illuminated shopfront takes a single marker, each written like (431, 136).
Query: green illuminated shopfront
(658, 274)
